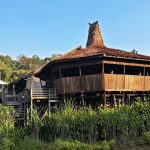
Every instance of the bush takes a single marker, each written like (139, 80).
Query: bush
(146, 138)
(7, 135)
(76, 145)
(31, 144)
(88, 125)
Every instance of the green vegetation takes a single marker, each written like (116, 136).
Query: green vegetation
(71, 127)
(7, 134)
(11, 70)
(89, 126)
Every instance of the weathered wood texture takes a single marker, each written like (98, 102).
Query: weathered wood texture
(92, 82)
(125, 63)
(147, 82)
(110, 82)
(41, 93)
(80, 83)
(115, 82)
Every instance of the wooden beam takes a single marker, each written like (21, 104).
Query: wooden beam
(31, 103)
(82, 98)
(104, 99)
(123, 98)
(114, 100)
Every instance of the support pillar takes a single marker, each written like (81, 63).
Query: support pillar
(114, 99)
(104, 100)
(143, 97)
(82, 98)
(123, 98)
(31, 104)
(129, 100)
(49, 107)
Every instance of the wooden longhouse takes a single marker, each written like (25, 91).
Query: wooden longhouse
(98, 74)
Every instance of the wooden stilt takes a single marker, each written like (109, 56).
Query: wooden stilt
(104, 100)
(123, 98)
(143, 97)
(82, 98)
(129, 100)
(114, 99)
(117, 102)
(49, 107)
(31, 104)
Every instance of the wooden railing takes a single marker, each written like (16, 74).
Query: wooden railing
(43, 93)
(98, 82)
(84, 83)
(40, 93)
(117, 82)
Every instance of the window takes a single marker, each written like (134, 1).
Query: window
(134, 70)
(113, 69)
(147, 71)
(91, 69)
(56, 74)
(70, 72)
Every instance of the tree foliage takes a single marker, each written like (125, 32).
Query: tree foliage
(11, 70)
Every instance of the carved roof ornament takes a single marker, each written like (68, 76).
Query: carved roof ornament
(94, 36)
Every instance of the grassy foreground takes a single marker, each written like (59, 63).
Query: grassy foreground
(84, 128)
(142, 143)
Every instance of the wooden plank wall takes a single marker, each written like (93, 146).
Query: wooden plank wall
(116, 82)
(92, 82)
(79, 83)
(147, 82)
(134, 83)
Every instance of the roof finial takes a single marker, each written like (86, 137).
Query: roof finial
(94, 36)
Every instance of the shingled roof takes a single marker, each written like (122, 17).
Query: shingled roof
(95, 46)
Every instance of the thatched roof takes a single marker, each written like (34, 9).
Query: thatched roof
(95, 46)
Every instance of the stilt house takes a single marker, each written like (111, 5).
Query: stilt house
(98, 74)
(25, 92)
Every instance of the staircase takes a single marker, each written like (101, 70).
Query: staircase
(19, 104)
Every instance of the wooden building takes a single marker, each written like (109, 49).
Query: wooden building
(98, 74)
(2, 86)
(25, 93)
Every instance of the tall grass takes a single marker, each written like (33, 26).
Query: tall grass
(7, 117)
(88, 125)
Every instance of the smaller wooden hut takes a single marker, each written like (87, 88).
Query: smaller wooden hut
(26, 92)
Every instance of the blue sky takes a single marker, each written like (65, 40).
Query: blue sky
(44, 27)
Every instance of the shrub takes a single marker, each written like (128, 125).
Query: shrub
(7, 135)
(31, 144)
(87, 125)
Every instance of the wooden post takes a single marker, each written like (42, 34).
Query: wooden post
(129, 99)
(104, 99)
(124, 72)
(143, 97)
(82, 98)
(144, 78)
(123, 98)
(103, 72)
(2, 94)
(117, 102)
(31, 103)
(13, 89)
(49, 107)
(114, 99)
(64, 98)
